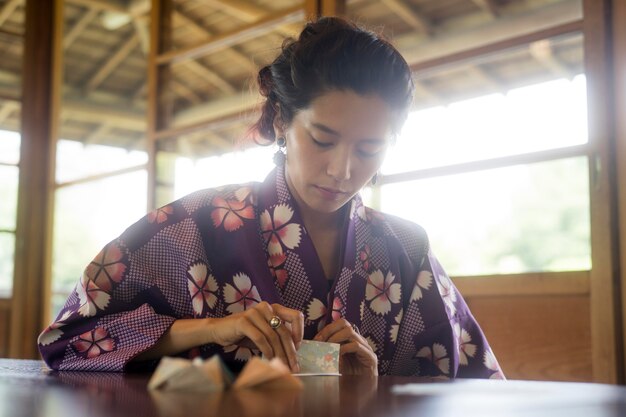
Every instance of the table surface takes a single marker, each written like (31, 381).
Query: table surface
(28, 388)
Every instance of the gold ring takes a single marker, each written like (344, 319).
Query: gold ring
(275, 322)
(355, 328)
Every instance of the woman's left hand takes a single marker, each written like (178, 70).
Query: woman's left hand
(356, 357)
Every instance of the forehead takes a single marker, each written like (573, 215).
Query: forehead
(350, 114)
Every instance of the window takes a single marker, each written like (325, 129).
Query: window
(9, 173)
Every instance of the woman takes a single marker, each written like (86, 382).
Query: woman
(257, 268)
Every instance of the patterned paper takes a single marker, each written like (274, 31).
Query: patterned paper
(318, 358)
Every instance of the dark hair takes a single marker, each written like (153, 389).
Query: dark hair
(332, 54)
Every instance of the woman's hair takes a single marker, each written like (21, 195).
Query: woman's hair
(332, 54)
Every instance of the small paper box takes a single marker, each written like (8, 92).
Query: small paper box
(272, 374)
(318, 357)
(192, 376)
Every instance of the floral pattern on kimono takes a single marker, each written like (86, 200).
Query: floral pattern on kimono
(221, 251)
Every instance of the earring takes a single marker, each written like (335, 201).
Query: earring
(279, 156)
(374, 179)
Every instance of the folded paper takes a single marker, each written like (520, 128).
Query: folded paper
(175, 374)
(318, 358)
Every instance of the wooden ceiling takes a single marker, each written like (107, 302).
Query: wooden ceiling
(106, 46)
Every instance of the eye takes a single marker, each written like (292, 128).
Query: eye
(319, 143)
(370, 151)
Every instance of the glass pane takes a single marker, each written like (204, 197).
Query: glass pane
(542, 116)
(9, 147)
(7, 252)
(508, 220)
(76, 160)
(87, 216)
(8, 200)
(230, 168)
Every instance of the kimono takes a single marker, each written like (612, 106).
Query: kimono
(221, 251)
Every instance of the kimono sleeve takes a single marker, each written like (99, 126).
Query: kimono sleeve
(453, 344)
(102, 327)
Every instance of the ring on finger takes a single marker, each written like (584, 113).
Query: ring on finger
(275, 322)
(355, 328)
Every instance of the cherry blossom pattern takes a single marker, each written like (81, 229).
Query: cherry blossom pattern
(242, 295)
(437, 355)
(245, 194)
(276, 264)
(368, 215)
(365, 256)
(107, 268)
(315, 310)
(381, 292)
(54, 332)
(491, 363)
(277, 230)
(91, 297)
(230, 213)
(448, 293)
(393, 332)
(94, 342)
(336, 311)
(466, 349)
(160, 215)
(423, 282)
(202, 287)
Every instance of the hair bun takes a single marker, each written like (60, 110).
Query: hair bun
(265, 81)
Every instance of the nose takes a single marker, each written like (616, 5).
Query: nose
(339, 164)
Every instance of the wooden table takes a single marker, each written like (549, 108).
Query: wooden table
(27, 388)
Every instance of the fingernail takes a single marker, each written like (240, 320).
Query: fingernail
(317, 337)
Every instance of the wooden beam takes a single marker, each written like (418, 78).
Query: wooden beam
(143, 33)
(410, 16)
(41, 95)
(11, 34)
(488, 6)
(96, 133)
(79, 27)
(542, 51)
(210, 76)
(8, 10)
(603, 192)
(619, 58)
(113, 62)
(234, 54)
(105, 5)
(473, 166)
(119, 117)
(333, 7)
(510, 30)
(517, 285)
(228, 39)
(6, 110)
(182, 90)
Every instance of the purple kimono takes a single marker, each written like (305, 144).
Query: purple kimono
(220, 251)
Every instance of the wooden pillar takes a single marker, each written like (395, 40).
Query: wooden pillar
(159, 106)
(619, 59)
(604, 278)
(317, 8)
(41, 86)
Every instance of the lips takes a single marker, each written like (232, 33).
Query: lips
(330, 193)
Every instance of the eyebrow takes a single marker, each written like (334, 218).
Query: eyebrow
(333, 132)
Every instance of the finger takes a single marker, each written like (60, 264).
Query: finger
(365, 355)
(257, 337)
(343, 335)
(296, 320)
(289, 347)
(328, 331)
(261, 322)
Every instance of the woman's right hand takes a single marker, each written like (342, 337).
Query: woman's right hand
(252, 326)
